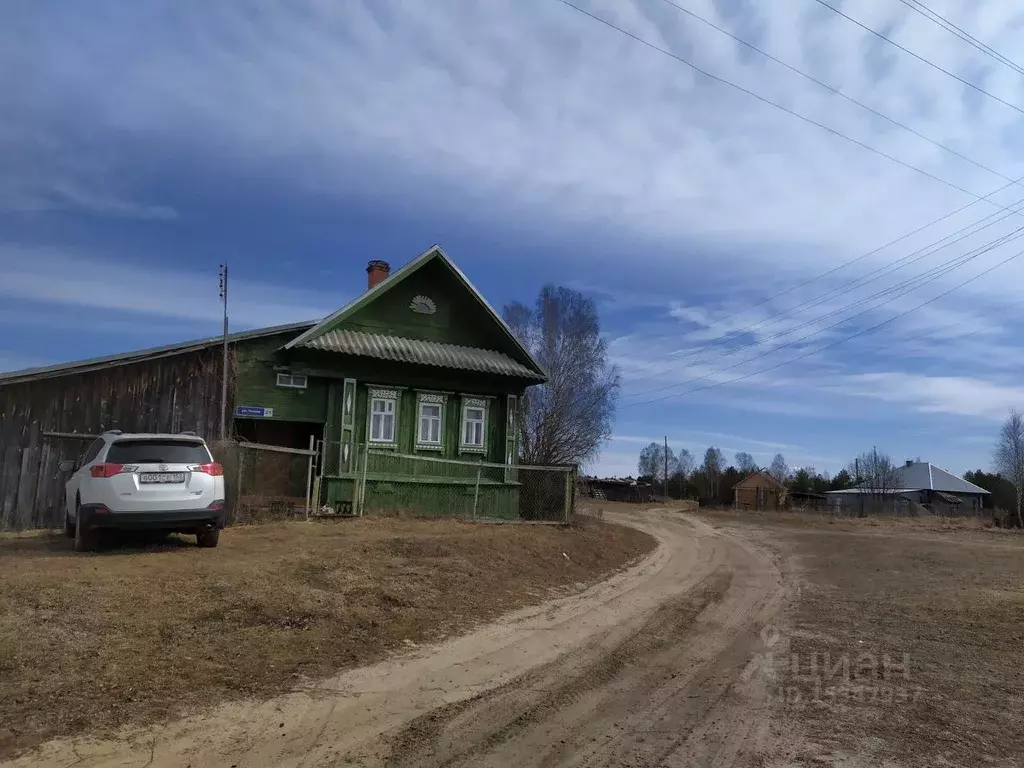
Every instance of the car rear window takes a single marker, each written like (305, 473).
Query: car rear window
(158, 452)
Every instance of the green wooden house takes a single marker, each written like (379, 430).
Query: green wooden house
(411, 391)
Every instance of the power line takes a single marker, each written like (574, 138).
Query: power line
(938, 272)
(833, 344)
(895, 266)
(930, 63)
(994, 311)
(961, 33)
(833, 131)
(766, 100)
(834, 90)
(851, 262)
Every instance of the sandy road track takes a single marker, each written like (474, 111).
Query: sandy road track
(644, 669)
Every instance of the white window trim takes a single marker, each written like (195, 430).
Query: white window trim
(287, 380)
(430, 398)
(382, 395)
(467, 403)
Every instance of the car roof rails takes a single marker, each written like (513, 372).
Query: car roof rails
(188, 432)
(113, 432)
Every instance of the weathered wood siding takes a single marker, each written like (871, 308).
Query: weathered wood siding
(169, 394)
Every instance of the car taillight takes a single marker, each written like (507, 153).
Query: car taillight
(210, 468)
(107, 470)
(216, 506)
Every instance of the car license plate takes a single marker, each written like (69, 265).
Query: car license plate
(162, 477)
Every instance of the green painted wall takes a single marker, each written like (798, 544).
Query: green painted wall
(396, 483)
(408, 418)
(452, 498)
(459, 318)
(256, 382)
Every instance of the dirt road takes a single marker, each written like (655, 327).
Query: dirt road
(644, 669)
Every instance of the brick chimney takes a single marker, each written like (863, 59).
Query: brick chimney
(376, 271)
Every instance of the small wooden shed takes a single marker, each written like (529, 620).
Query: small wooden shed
(758, 491)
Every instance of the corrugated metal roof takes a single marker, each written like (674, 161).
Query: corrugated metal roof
(869, 491)
(389, 283)
(921, 476)
(405, 350)
(95, 363)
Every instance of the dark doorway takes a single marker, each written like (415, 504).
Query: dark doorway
(290, 434)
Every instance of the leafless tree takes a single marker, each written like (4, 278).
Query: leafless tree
(879, 477)
(1009, 456)
(646, 465)
(566, 419)
(745, 463)
(684, 463)
(714, 463)
(653, 463)
(779, 469)
(684, 468)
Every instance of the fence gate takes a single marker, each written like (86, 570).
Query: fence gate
(267, 482)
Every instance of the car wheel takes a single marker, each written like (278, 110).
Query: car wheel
(69, 527)
(85, 539)
(208, 537)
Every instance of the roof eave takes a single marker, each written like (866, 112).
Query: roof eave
(152, 353)
(400, 274)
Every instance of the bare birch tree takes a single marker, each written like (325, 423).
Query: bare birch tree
(714, 462)
(879, 477)
(566, 419)
(745, 463)
(684, 468)
(653, 463)
(684, 463)
(779, 469)
(1009, 456)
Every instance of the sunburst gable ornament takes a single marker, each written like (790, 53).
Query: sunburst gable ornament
(423, 305)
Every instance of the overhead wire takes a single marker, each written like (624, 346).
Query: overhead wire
(920, 58)
(938, 272)
(836, 343)
(806, 119)
(766, 100)
(866, 279)
(836, 91)
(941, 21)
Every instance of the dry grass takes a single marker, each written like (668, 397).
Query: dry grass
(948, 593)
(133, 634)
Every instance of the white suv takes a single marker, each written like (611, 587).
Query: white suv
(144, 481)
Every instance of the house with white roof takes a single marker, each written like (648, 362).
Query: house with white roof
(922, 483)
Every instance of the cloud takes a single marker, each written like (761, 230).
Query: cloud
(66, 278)
(684, 206)
(960, 395)
(73, 198)
(541, 111)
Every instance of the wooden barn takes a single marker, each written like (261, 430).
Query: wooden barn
(759, 491)
(418, 366)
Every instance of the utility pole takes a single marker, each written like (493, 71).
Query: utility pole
(224, 368)
(664, 485)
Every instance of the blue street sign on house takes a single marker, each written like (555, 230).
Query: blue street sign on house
(257, 411)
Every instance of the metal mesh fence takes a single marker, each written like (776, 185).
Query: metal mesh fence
(264, 482)
(387, 482)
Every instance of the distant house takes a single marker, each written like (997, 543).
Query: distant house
(807, 499)
(616, 489)
(919, 482)
(758, 491)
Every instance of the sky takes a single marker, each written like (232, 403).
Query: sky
(777, 268)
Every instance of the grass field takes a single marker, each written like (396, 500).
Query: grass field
(137, 633)
(941, 599)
